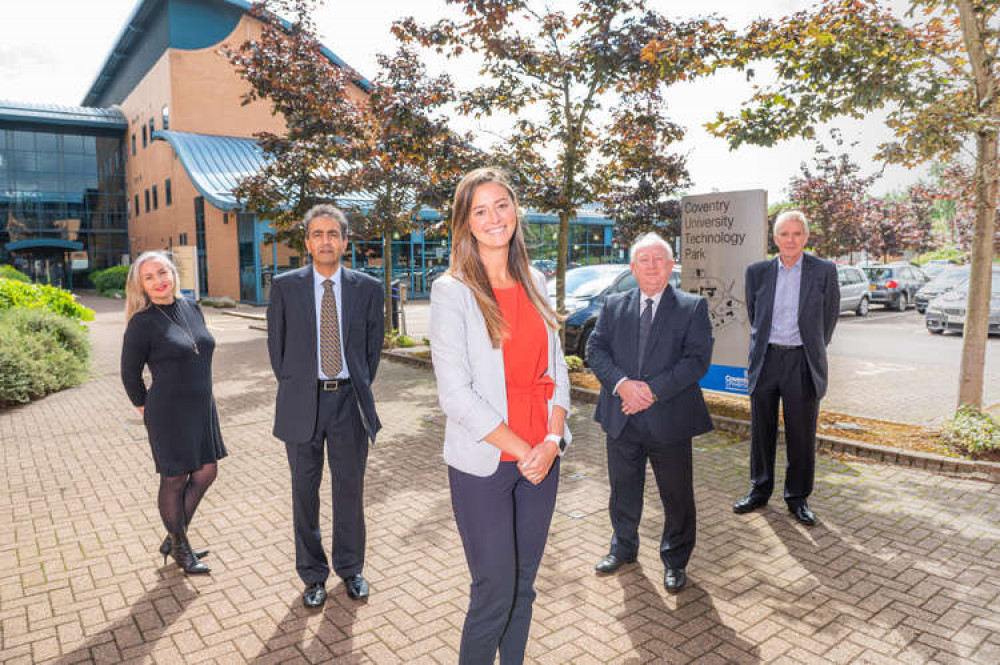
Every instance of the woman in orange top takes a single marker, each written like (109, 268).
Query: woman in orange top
(502, 383)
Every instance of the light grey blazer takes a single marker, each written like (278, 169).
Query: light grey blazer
(471, 386)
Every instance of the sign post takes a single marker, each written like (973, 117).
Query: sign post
(721, 234)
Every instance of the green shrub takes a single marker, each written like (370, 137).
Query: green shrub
(574, 363)
(972, 430)
(40, 352)
(10, 272)
(110, 280)
(14, 294)
(393, 339)
(947, 253)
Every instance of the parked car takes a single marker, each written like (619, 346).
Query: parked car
(853, 290)
(584, 282)
(948, 278)
(934, 267)
(894, 285)
(547, 266)
(948, 310)
(580, 322)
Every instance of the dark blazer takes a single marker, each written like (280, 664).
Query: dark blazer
(291, 343)
(819, 308)
(678, 353)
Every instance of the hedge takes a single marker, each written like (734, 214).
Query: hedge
(40, 352)
(15, 294)
(10, 272)
(110, 280)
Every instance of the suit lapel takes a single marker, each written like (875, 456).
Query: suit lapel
(347, 292)
(805, 285)
(770, 285)
(663, 312)
(630, 327)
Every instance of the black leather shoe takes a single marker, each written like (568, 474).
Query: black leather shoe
(165, 549)
(749, 503)
(611, 563)
(803, 514)
(674, 579)
(357, 586)
(314, 595)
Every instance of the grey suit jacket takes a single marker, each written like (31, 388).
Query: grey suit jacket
(819, 309)
(471, 383)
(291, 344)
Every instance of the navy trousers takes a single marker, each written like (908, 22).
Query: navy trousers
(339, 426)
(784, 378)
(672, 467)
(504, 522)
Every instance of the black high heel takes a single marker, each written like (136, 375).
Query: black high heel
(165, 550)
(181, 552)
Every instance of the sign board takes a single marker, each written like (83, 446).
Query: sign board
(186, 260)
(721, 234)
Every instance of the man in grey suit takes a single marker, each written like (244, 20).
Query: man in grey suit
(649, 348)
(793, 302)
(324, 336)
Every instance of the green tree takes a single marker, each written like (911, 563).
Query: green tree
(381, 148)
(556, 74)
(936, 73)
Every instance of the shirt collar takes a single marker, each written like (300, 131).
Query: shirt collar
(794, 266)
(656, 298)
(318, 279)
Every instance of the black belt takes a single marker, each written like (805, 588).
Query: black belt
(784, 347)
(332, 385)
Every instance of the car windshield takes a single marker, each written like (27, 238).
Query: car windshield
(578, 280)
(876, 273)
(950, 277)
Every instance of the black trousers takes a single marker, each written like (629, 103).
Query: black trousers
(672, 467)
(784, 378)
(339, 426)
(504, 522)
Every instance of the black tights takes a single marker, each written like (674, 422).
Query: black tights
(180, 495)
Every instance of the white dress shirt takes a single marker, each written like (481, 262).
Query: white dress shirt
(642, 306)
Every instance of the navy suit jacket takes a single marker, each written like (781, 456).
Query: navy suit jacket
(678, 353)
(819, 308)
(291, 344)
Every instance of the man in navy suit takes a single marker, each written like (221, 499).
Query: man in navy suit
(324, 336)
(649, 348)
(793, 302)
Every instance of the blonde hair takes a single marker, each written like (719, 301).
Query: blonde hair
(136, 299)
(467, 266)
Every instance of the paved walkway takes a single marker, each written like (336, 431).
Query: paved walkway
(904, 566)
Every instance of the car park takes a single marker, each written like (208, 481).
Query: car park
(853, 284)
(587, 302)
(948, 278)
(894, 285)
(949, 310)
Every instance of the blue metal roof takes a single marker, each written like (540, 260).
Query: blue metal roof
(215, 164)
(71, 116)
(47, 243)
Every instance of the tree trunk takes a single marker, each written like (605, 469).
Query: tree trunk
(970, 378)
(387, 272)
(562, 260)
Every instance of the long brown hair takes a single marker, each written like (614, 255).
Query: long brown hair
(467, 266)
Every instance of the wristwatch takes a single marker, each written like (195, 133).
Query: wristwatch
(558, 440)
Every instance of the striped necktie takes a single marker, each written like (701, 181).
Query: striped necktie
(329, 332)
(645, 324)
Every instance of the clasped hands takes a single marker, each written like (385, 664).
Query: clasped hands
(636, 396)
(535, 465)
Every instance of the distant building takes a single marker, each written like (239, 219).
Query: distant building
(151, 159)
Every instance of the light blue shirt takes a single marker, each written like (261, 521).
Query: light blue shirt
(785, 319)
(318, 280)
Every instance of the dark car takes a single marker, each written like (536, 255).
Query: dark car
(946, 279)
(949, 310)
(546, 266)
(589, 296)
(894, 285)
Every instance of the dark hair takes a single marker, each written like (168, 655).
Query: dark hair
(328, 211)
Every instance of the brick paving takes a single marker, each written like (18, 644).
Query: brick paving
(904, 566)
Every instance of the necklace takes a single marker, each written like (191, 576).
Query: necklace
(186, 329)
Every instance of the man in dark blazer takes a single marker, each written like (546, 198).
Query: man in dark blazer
(649, 348)
(793, 302)
(324, 335)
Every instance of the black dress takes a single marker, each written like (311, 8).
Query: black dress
(180, 414)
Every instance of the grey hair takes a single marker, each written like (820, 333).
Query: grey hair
(648, 240)
(328, 211)
(790, 215)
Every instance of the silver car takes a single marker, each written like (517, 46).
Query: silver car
(947, 279)
(853, 290)
(949, 310)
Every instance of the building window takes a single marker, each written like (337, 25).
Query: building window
(144, 136)
(165, 114)
(136, 205)
(182, 239)
(133, 144)
(152, 127)
(147, 200)
(156, 199)
(168, 195)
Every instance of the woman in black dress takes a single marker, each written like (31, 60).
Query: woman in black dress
(167, 332)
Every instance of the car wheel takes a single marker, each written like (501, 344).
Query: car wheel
(584, 338)
(936, 331)
(902, 302)
(921, 310)
(862, 309)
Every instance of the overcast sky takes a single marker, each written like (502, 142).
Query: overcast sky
(51, 51)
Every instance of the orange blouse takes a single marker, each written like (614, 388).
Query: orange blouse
(525, 360)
